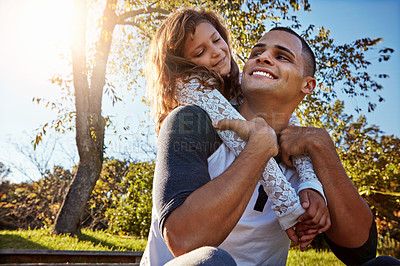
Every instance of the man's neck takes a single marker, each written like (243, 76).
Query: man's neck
(276, 116)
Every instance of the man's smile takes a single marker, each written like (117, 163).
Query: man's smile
(263, 72)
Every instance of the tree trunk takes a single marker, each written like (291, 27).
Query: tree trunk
(69, 217)
(89, 122)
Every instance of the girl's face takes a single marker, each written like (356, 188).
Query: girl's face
(207, 48)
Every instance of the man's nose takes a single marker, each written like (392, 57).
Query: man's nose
(265, 58)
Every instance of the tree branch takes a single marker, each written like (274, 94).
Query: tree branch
(130, 23)
(134, 24)
(109, 20)
(241, 58)
(134, 13)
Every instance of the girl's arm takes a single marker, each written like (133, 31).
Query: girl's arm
(285, 201)
(208, 214)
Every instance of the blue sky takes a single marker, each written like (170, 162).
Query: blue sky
(354, 19)
(35, 32)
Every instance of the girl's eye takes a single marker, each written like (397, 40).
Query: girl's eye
(216, 40)
(200, 54)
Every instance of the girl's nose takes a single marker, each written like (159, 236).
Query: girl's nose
(216, 51)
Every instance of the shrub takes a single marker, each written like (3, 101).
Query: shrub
(121, 200)
(106, 194)
(33, 205)
(388, 246)
(133, 213)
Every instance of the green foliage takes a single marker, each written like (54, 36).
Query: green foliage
(64, 106)
(33, 205)
(121, 200)
(106, 194)
(133, 213)
(388, 246)
(344, 65)
(371, 159)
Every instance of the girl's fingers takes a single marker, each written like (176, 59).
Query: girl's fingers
(239, 126)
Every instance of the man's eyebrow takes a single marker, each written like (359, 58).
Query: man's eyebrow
(280, 47)
(259, 45)
(284, 49)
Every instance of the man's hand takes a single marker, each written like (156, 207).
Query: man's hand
(315, 220)
(295, 140)
(255, 130)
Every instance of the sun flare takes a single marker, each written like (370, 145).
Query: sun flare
(45, 25)
(38, 32)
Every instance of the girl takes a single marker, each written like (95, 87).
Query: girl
(190, 62)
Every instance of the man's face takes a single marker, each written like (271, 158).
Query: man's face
(275, 67)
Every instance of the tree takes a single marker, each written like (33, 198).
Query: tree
(246, 21)
(373, 162)
(89, 122)
(4, 171)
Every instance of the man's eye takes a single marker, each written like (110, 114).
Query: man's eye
(256, 54)
(282, 57)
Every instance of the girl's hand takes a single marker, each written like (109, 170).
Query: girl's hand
(255, 131)
(315, 220)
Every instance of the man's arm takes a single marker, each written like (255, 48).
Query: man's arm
(209, 213)
(351, 217)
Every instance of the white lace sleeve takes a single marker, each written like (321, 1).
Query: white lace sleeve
(304, 167)
(285, 201)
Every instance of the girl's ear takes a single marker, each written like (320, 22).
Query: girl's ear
(309, 85)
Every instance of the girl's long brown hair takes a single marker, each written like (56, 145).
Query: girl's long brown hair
(165, 62)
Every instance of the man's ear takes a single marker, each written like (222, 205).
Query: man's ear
(308, 85)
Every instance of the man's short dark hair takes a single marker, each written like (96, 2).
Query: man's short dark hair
(306, 52)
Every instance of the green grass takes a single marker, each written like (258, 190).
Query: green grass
(312, 257)
(88, 240)
(101, 240)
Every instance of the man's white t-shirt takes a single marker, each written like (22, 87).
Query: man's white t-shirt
(257, 239)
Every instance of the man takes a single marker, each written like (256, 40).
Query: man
(287, 59)
(204, 196)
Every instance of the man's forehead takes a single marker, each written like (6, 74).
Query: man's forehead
(279, 37)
